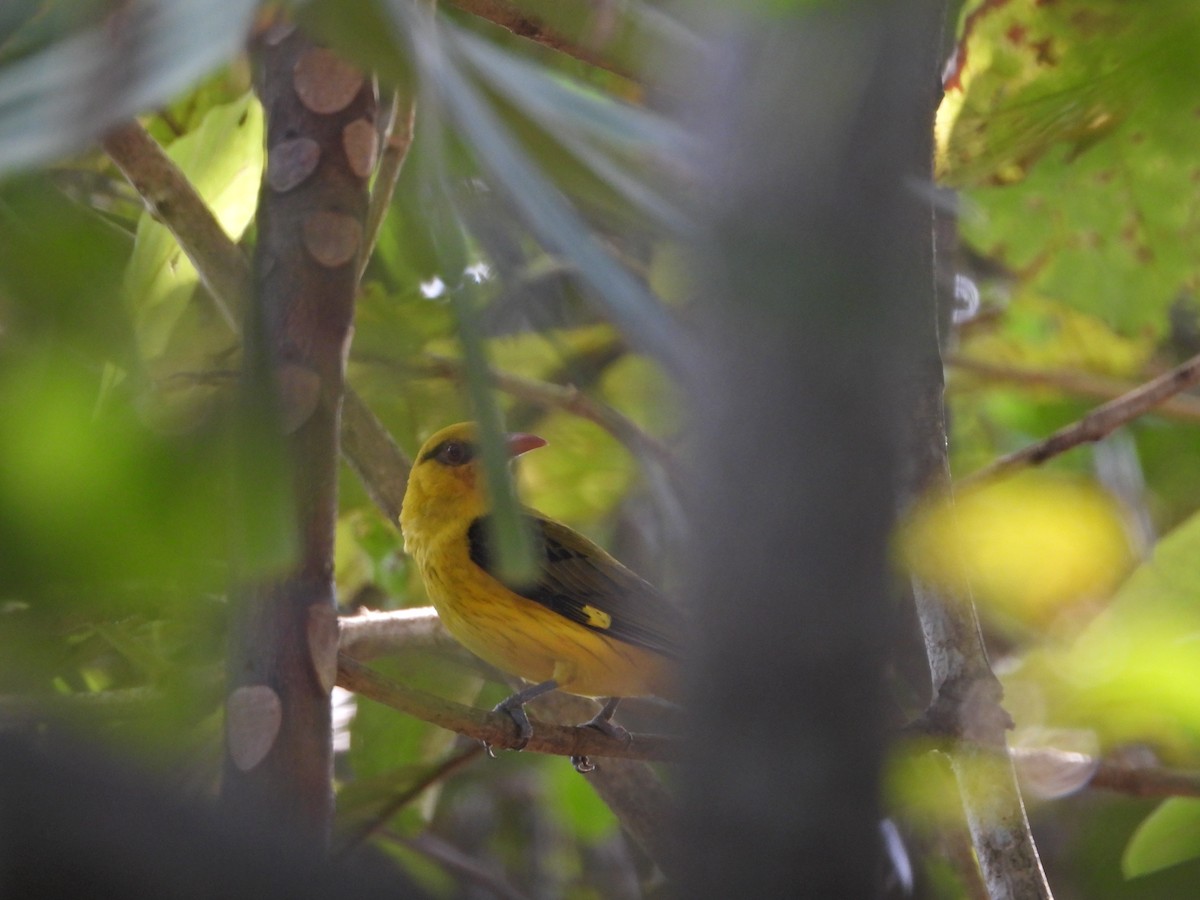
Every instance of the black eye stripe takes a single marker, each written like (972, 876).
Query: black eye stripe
(451, 452)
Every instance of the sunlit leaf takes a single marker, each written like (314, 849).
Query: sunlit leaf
(1131, 674)
(1025, 547)
(223, 160)
(1167, 837)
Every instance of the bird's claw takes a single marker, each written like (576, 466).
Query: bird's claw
(611, 729)
(583, 764)
(520, 719)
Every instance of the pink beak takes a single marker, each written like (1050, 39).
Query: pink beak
(519, 443)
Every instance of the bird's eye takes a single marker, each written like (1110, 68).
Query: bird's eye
(455, 453)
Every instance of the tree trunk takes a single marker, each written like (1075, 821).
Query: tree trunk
(322, 145)
(817, 302)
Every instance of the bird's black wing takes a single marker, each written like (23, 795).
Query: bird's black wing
(579, 580)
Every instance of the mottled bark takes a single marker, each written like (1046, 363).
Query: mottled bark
(322, 145)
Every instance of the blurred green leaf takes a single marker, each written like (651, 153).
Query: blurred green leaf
(1131, 674)
(58, 98)
(48, 305)
(1168, 836)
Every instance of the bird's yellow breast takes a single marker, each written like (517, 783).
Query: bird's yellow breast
(524, 638)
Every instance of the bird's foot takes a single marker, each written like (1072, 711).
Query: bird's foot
(516, 712)
(514, 708)
(602, 722)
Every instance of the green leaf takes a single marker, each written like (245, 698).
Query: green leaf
(1131, 675)
(1074, 141)
(223, 160)
(1167, 837)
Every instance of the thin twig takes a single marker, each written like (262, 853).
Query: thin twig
(555, 396)
(1122, 778)
(508, 16)
(396, 144)
(497, 729)
(379, 820)
(374, 455)
(1183, 407)
(1096, 425)
(453, 859)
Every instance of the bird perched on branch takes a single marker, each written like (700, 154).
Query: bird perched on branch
(584, 623)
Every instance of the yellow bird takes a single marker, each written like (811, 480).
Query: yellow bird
(585, 624)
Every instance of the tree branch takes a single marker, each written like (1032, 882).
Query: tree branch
(582, 45)
(555, 396)
(281, 663)
(1096, 425)
(369, 634)
(1122, 778)
(448, 767)
(497, 729)
(1183, 407)
(397, 140)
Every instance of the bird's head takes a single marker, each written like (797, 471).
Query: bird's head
(446, 485)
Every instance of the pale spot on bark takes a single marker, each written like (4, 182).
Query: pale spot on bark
(253, 715)
(299, 392)
(361, 143)
(324, 82)
(332, 238)
(290, 162)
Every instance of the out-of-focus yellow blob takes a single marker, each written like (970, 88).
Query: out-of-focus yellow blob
(1026, 547)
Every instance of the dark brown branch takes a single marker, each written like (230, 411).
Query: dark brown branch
(497, 729)
(581, 45)
(555, 396)
(1097, 424)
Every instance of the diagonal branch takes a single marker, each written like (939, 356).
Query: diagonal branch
(1096, 425)
(557, 396)
(1184, 407)
(581, 45)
